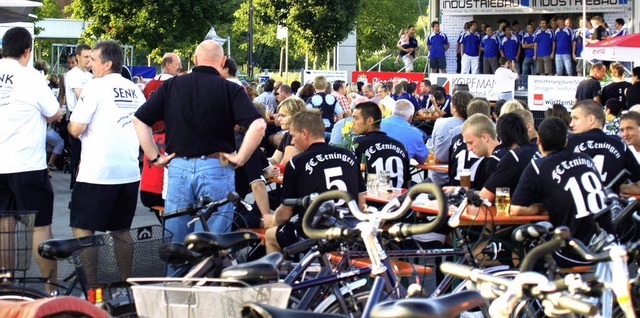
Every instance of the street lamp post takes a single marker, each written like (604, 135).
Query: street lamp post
(250, 49)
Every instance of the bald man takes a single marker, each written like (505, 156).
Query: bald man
(200, 110)
(171, 66)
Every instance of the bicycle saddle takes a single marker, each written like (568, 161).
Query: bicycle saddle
(262, 270)
(207, 243)
(58, 249)
(451, 305)
(177, 253)
(255, 310)
(531, 231)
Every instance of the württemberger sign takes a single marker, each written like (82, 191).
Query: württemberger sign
(492, 7)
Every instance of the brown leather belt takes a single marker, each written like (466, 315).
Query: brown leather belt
(215, 155)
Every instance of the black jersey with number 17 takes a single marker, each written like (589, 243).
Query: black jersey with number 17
(568, 185)
(459, 159)
(320, 168)
(384, 153)
(609, 153)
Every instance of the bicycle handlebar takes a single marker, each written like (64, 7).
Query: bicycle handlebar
(558, 299)
(204, 203)
(560, 236)
(397, 230)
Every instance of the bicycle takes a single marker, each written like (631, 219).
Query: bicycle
(103, 262)
(386, 283)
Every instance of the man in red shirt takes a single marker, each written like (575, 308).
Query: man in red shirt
(171, 66)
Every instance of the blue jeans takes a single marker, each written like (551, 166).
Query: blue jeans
(505, 95)
(528, 66)
(563, 60)
(191, 178)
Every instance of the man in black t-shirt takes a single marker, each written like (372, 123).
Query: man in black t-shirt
(480, 135)
(200, 110)
(519, 151)
(590, 88)
(381, 152)
(548, 182)
(610, 154)
(318, 168)
(459, 157)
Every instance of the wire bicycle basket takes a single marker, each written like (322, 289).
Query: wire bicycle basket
(115, 256)
(16, 238)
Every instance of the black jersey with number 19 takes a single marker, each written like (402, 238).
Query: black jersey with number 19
(320, 168)
(552, 179)
(384, 153)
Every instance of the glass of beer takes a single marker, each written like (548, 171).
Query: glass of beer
(372, 184)
(503, 200)
(465, 178)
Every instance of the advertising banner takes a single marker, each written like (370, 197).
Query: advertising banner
(495, 7)
(374, 77)
(479, 85)
(545, 91)
(331, 76)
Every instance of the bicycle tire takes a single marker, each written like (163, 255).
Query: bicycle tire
(358, 300)
(14, 293)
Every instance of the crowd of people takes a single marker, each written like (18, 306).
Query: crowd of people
(184, 135)
(544, 47)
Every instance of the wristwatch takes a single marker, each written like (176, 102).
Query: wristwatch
(154, 160)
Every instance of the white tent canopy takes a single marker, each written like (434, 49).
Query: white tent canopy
(17, 10)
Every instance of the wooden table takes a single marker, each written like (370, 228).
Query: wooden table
(470, 217)
(425, 117)
(440, 167)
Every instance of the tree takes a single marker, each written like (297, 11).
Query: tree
(49, 9)
(156, 26)
(380, 23)
(315, 26)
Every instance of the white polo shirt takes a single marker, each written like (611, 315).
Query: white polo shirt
(75, 78)
(109, 143)
(25, 102)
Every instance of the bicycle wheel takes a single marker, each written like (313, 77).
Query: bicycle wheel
(12, 293)
(356, 303)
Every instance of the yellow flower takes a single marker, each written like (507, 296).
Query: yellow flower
(345, 130)
(348, 125)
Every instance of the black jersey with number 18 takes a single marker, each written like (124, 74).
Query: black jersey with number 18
(552, 179)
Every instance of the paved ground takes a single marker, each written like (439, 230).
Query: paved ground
(61, 229)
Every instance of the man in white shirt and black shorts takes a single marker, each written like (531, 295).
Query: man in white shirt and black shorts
(74, 81)
(106, 191)
(26, 106)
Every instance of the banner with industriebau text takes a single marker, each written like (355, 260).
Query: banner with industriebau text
(492, 7)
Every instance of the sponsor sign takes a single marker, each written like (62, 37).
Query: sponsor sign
(374, 77)
(494, 7)
(309, 75)
(545, 91)
(479, 85)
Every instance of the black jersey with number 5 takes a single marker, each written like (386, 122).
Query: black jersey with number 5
(569, 187)
(384, 153)
(609, 153)
(320, 168)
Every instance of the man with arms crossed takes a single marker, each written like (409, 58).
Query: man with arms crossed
(200, 110)
(26, 106)
(318, 168)
(106, 192)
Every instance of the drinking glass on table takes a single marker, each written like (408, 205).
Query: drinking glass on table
(383, 181)
(372, 184)
(503, 200)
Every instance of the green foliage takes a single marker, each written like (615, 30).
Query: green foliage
(49, 9)
(155, 26)
(380, 23)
